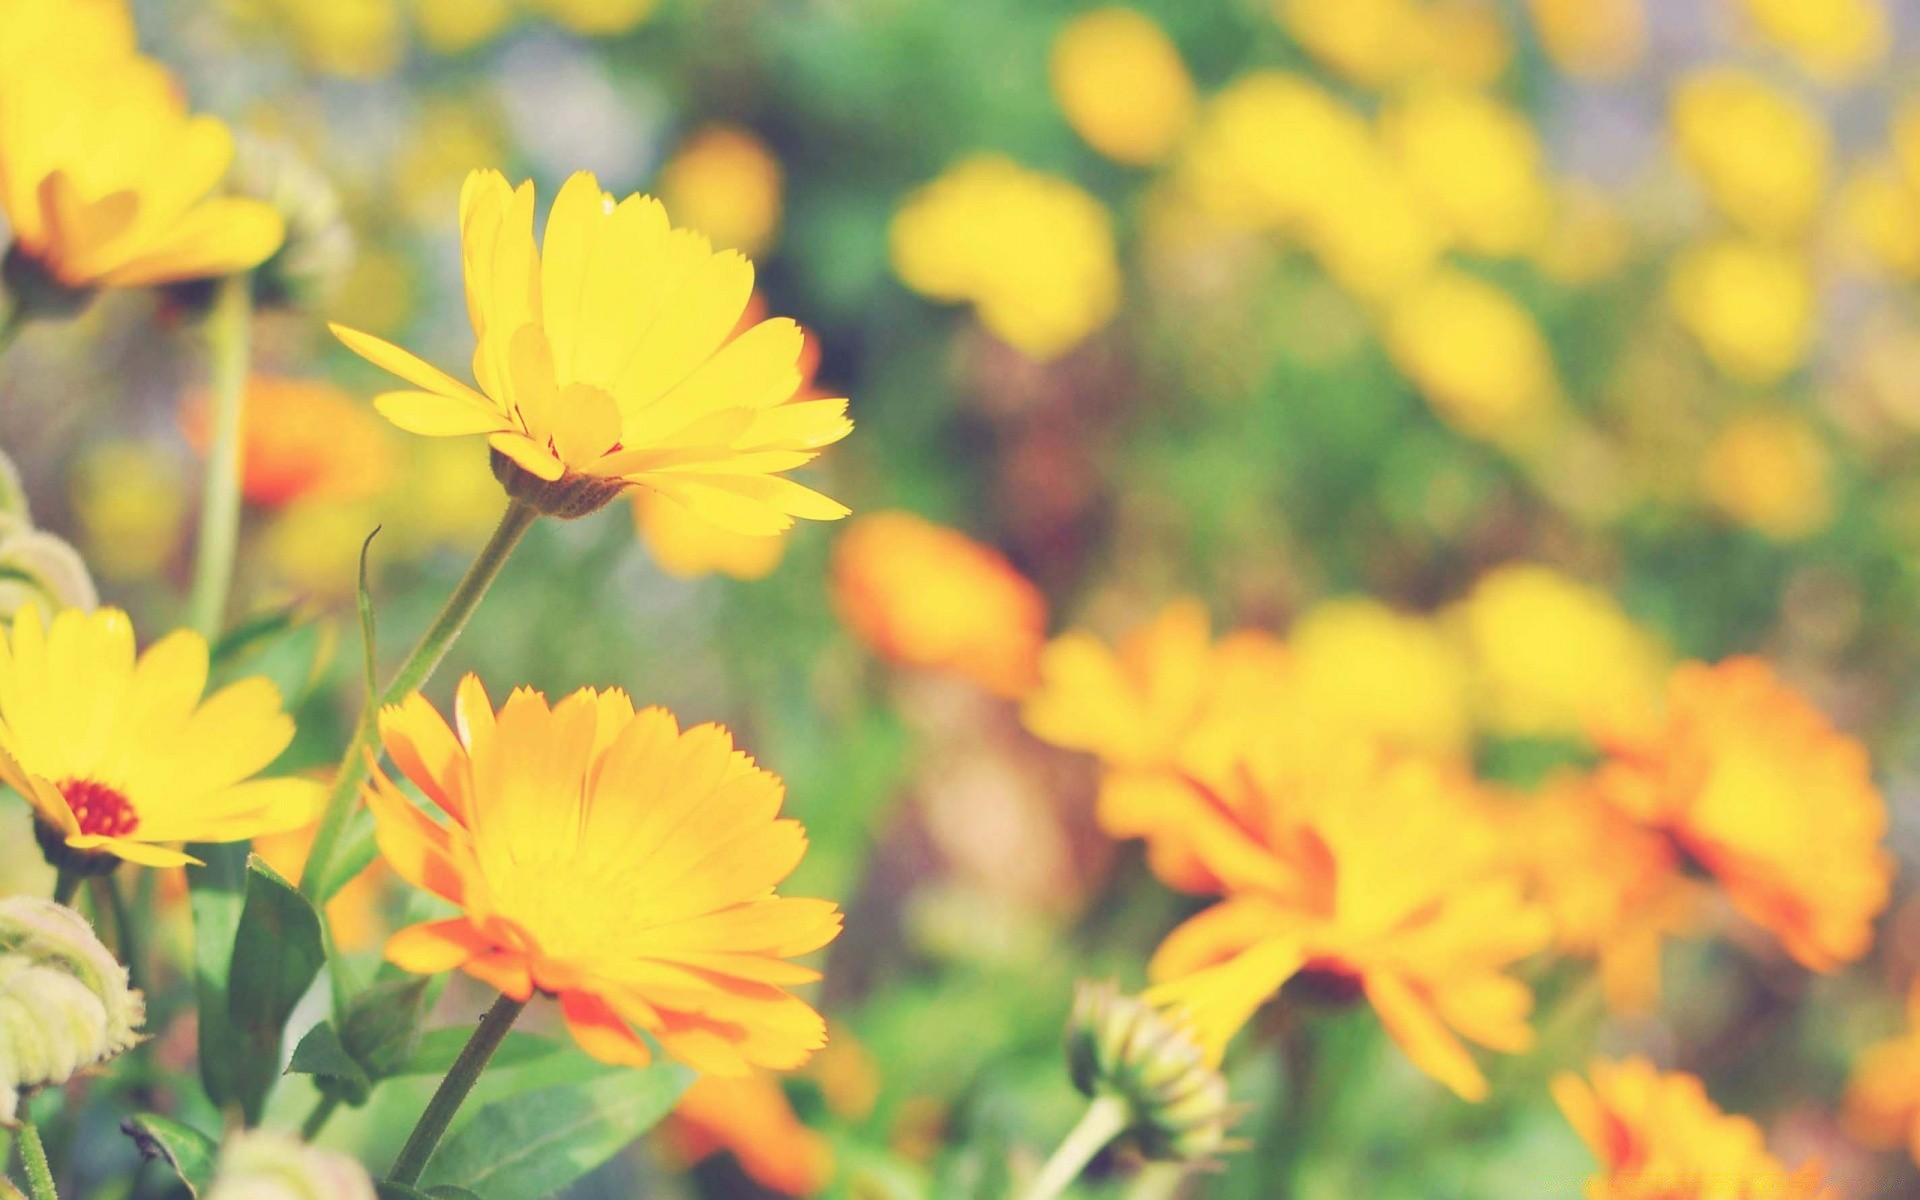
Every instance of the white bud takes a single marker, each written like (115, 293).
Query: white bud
(64, 1000)
(261, 1165)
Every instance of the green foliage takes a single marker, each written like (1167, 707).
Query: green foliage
(278, 949)
(184, 1150)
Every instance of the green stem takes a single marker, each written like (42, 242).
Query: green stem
(1103, 1121)
(229, 341)
(126, 932)
(315, 880)
(318, 1118)
(65, 885)
(446, 1101)
(34, 1156)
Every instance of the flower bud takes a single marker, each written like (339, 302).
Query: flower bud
(1122, 1046)
(318, 250)
(260, 1165)
(571, 496)
(64, 1000)
(36, 567)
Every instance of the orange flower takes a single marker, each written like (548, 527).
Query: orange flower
(1753, 784)
(300, 439)
(750, 1118)
(923, 595)
(610, 859)
(1883, 1098)
(1659, 1137)
(1375, 876)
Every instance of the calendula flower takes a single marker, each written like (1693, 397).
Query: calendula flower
(923, 595)
(119, 755)
(1032, 252)
(1159, 1055)
(1592, 38)
(605, 362)
(301, 439)
(1475, 161)
(1552, 656)
(1750, 306)
(1274, 150)
(751, 1118)
(1121, 84)
(610, 859)
(1770, 472)
(1658, 1136)
(726, 183)
(64, 1000)
(1391, 677)
(1760, 152)
(105, 177)
(1477, 356)
(1754, 785)
(1374, 43)
(1835, 40)
(687, 545)
(1883, 1096)
(1336, 875)
(258, 1164)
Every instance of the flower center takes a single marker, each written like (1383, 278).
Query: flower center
(100, 809)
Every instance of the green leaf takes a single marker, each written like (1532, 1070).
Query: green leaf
(322, 1055)
(215, 894)
(252, 635)
(437, 1048)
(448, 1192)
(188, 1152)
(368, 624)
(386, 1189)
(531, 1146)
(277, 951)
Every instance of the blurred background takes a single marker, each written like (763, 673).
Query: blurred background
(1318, 310)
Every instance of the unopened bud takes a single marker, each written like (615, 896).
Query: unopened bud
(1122, 1046)
(318, 250)
(261, 1165)
(64, 1000)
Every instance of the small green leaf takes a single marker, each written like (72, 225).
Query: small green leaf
(533, 1145)
(277, 951)
(252, 635)
(321, 1055)
(367, 623)
(381, 1026)
(215, 894)
(188, 1152)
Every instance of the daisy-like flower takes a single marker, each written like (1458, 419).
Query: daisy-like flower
(1341, 880)
(1883, 1097)
(1659, 1136)
(605, 362)
(612, 860)
(751, 1118)
(119, 755)
(1754, 785)
(105, 177)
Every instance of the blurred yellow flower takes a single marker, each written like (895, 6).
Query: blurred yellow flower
(1274, 148)
(1552, 656)
(604, 357)
(301, 439)
(1383, 877)
(1753, 784)
(131, 505)
(358, 39)
(105, 177)
(726, 183)
(1749, 305)
(1883, 1096)
(1122, 85)
(1658, 1136)
(1395, 678)
(442, 143)
(1476, 161)
(1598, 39)
(118, 754)
(1878, 217)
(453, 26)
(1760, 151)
(1834, 40)
(751, 1118)
(596, 18)
(923, 595)
(1032, 252)
(687, 545)
(1380, 43)
(1475, 354)
(313, 546)
(1770, 471)
(608, 858)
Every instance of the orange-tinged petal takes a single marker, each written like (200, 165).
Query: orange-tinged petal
(436, 946)
(1426, 1039)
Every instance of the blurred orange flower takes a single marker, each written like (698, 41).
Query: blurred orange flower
(1754, 785)
(923, 595)
(608, 858)
(301, 439)
(1883, 1097)
(750, 1118)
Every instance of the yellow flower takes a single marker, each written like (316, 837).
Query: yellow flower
(1389, 676)
(1592, 38)
(1878, 215)
(131, 504)
(1382, 43)
(751, 1118)
(454, 26)
(1553, 656)
(1658, 1136)
(1748, 304)
(1835, 40)
(119, 756)
(1378, 876)
(924, 595)
(1032, 252)
(301, 439)
(1760, 151)
(1753, 784)
(597, 18)
(686, 546)
(105, 178)
(1122, 85)
(359, 39)
(726, 183)
(1475, 354)
(604, 358)
(606, 857)
(1274, 150)
(1883, 1096)
(1476, 161)
(1769, 471)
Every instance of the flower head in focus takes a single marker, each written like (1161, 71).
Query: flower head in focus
(105, 177)
(751, 1118)
(300, 439)
(65, 1003)
(1754, 785)
(1122, 85)
(259, 1164)
(924, 595)
(119, 755)
(606, 361)
(608, 858)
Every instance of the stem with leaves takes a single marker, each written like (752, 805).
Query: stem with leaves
(229, 341)
(453, 1090)
(1105, 1119)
